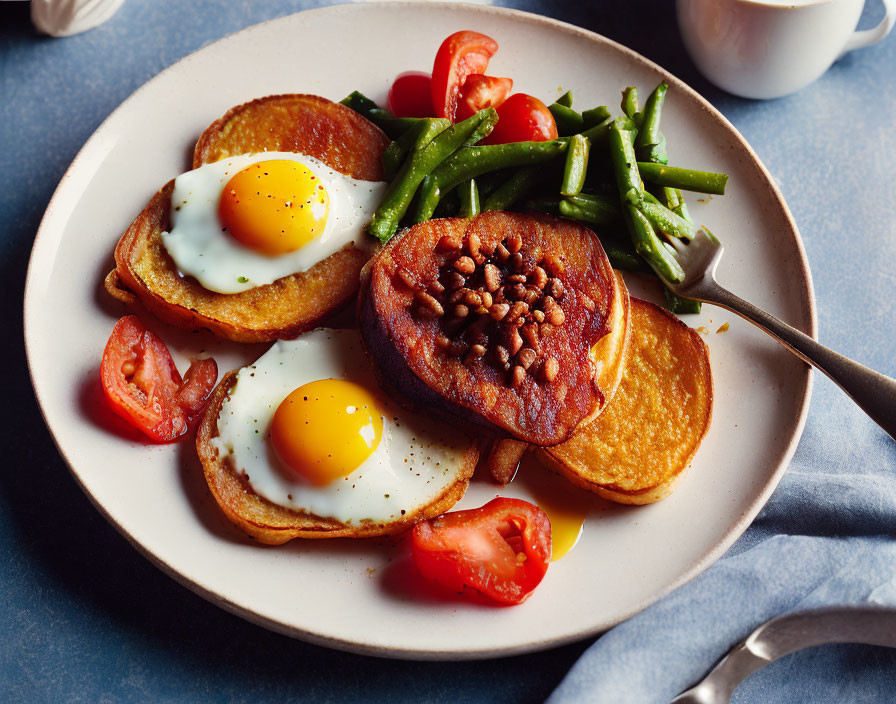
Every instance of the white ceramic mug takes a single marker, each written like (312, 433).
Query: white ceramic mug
(769, 48)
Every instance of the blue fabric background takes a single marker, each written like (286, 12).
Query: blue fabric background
(85, 618)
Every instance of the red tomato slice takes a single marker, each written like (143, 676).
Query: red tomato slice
(144, 387)
(461, 54)
(411, 95)
(479, 92)
(501, 549)
(193, 395)
(523, 118)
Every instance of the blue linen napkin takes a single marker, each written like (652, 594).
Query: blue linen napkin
(827, 537)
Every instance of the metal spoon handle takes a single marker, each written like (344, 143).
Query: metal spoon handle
(873, 392)
(786, 634)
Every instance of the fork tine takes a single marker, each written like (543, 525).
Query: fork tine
(680, 246)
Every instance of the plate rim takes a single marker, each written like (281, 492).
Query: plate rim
(735, 530)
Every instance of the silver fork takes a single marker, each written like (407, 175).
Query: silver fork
(873, 392)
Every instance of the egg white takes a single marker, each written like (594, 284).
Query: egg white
(415, 462)
(202, 249)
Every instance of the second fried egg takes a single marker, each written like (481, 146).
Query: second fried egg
(309, 429)
(248, 220)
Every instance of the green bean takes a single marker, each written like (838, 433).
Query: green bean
(680, 305)
(571, 210)
(630, 102)
(597, 134)
(595, 209)
(655, 153)
(600, 171)
(663, 218)
(520, 183)
(625, 166)
(395, 153)
(654, 250)
(435, 145)
(630, 108)
(359, 102)
(651, 146)
(568, 121)
(393, 126)
(622, 255)
(604, 201)
(630, 124)
(469, 199)
(628, 181)
(649, 134)
(673, 198)
(594, 116)
(675, 203)
(547, 205)
(489, 118)
(472, 162)
(576, 165)
(687, 179)
(565, 99)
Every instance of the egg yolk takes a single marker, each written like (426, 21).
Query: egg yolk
(567, 521)
(274, 207)
(326, 429)
(567, 506)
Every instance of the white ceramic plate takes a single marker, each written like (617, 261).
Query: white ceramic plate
(362, 595)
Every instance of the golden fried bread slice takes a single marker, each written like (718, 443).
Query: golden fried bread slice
(273, 524)
(608, 356)
(328, 131)
(639, 448)
(314, 126)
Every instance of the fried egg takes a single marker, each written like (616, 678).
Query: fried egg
(309, 429)
(251, 219)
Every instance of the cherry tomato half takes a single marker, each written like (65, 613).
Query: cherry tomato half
(523, 118)
(144, 387)
(479, 92)
(461, 54)
(501, 549)
(411, 95)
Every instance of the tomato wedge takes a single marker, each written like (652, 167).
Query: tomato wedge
(479, 92)
(411, 95)
(461, 54)
(144, 387)
(501, 549)
(523, 118)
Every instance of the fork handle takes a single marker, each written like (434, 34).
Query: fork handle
(873, 392)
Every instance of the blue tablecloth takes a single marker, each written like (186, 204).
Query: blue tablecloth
(85, 618)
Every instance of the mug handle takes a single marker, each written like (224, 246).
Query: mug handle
(871, 36)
